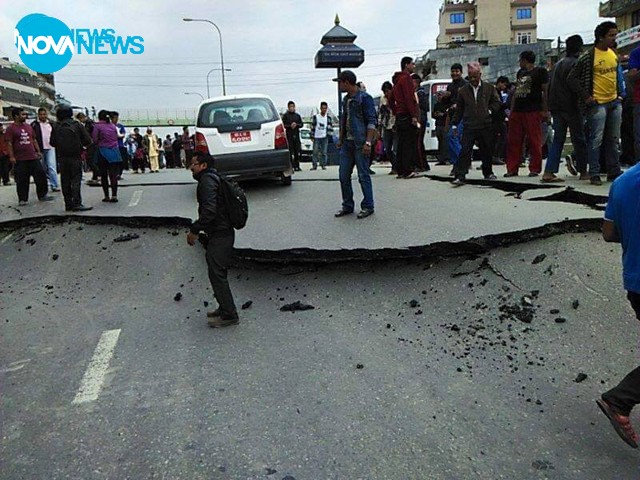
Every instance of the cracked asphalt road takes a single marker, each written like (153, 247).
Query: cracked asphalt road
(412, 368)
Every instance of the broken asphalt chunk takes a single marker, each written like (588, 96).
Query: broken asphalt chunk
(539, 259)
(581, 377)
(575, 304)
(247, 304)
(178, 297)
(414, 304)
(127, 237)
(296, 306)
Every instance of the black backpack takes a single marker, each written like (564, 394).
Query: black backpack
(68, 141)
(236, 202)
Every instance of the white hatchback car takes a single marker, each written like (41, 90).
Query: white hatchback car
(245, 135)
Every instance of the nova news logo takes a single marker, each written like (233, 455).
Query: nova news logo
(46, 44)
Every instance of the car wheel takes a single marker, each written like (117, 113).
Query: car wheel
(285, 180)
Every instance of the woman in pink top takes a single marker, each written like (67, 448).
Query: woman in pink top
(105, 137)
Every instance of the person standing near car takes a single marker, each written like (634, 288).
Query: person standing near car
(25, 156)
(321, 124)
(69, 137)
(292, 122)
(219, 236)
(405, 107)
(477, 101)
(357, 131)
(42, 130)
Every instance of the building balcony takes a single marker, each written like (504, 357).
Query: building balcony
(524, 3)
(458, 31)
(617, 8)
(523, 26)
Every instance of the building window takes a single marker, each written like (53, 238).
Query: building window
(523, 38)
(635, 18)
(458, 38)
(484, 61)
(523, 13)
(456, 18)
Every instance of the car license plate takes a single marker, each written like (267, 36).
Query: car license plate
(240, 137)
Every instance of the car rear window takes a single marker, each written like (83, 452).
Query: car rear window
(306, 134)
(237, 112)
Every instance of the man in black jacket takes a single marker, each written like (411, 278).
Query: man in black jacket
(69, 137)
(563, 104)
(476, 103)
(292, 122)
(218, 237)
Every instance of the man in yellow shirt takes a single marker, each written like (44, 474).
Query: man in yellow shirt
(595, 78)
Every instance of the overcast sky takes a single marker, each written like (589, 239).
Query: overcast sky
(269, 45)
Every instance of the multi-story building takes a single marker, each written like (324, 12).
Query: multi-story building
(22, 87)
(627, 15)
(496, 22)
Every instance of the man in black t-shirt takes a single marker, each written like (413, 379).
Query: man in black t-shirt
(528, 110)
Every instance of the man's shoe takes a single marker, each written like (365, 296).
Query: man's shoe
(55, 189)
(94, 183)
(510, 174)
(533, 174)
(81, 208)
(324, 168)
(342, 212)
(225, 320)
(452, 172)
(314, 168)
(491, 177)
(371, 172)
(620, 423)
(585, 176)
(571, 165)
(23, 203)
(214, 313)
(365, 212)
(458, 182)
(46, 198)
(7, 184)
(595, 180)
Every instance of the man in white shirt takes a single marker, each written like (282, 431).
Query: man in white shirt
(319, 130)
(42, 129)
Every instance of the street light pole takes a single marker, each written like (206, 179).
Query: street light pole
(224, 87)
(195, 93)
(209, 73)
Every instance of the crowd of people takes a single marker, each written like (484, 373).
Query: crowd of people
(42, 150)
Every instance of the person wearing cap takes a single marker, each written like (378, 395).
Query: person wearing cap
(357, 130)
(405, 107)
(477, 101)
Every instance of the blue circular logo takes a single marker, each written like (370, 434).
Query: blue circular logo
(44, 43)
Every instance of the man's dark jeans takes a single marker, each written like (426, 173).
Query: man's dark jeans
(294, 149)
(5, 167)
(484, 137)
(407, 155)
(626, 394)
(219, 255)
(24, 170)
(575, 123)
(71, 180)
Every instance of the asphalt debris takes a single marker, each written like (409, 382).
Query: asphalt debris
(359, 366)
(539, 259)
(581, 377)
(55, 257)
(414, 304)
(575, 304)
(296, 306)
(560, 320)
(31, 241)
(247, 304)
(178, 296)
(126, 237)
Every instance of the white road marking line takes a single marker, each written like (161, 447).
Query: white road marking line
(135, 200)
(5, 239)
(97, 369)
(15, 366)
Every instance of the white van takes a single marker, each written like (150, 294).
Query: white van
(432, 87)
(245, 135)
